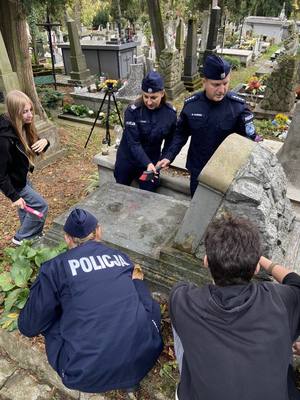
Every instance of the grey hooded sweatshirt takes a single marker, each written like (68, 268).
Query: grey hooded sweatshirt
(237, 340)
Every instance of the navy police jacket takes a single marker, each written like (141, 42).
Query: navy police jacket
(145, 130)
(209, 123)
(99, 334)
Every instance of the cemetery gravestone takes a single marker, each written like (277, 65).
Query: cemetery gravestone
(289, 154)
(191, 77)
(244, 179)
(132, 87)
(8, 79)
(79, 74)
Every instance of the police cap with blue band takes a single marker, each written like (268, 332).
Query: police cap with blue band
(215, 67)
(80, 223)
(152, 82)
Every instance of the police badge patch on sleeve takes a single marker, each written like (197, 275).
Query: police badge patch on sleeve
(250, 129)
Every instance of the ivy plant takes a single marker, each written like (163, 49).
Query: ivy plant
(19, 269)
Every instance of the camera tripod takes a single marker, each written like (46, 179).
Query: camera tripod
(110, 92)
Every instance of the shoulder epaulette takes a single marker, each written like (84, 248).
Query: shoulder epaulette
(235, 97)
(134, 107)
(191, 98)
(169, 105)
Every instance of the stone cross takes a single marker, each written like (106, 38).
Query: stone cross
(79, 73)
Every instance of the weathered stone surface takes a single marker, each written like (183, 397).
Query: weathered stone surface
(226, 161)
(132, 87)
(170, 67)
(289, 155)
(6, 370)
(202, 209)
(259, 193)
(79, 73)
(8, 79)
(22, 386)
(21, 351)
(280, 86)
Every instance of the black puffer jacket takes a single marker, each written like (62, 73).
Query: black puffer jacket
(14, 163)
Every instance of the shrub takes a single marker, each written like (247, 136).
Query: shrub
(233, 61)
(80, 110)
(49, 97)
(19, 269)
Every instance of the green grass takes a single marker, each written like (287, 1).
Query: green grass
(243, 74)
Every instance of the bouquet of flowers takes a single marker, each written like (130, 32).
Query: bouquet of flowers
(281, 123)
(255, 86)
(109, 84)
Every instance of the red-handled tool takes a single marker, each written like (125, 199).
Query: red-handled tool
(34, 212)
(148, 175)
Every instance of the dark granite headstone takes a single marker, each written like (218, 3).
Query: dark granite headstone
(191, 77)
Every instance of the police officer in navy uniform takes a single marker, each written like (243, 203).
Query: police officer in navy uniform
(209, 117)
(100, 323)
(149, 122)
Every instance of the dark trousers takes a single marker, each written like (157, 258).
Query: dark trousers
(193, 182)
(126, 173)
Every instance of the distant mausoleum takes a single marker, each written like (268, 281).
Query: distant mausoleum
(271, 27)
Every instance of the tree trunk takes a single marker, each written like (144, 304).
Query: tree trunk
(14, 31)
(156, 26)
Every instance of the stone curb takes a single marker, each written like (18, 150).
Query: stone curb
(29, 357)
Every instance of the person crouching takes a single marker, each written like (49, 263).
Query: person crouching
(100, 323)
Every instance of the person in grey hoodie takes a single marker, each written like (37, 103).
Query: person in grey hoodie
(233, 338)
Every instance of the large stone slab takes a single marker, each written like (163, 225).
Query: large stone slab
(132, 219)
(143, 225)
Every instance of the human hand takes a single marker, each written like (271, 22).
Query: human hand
(258, 138)
(151, 168)
(164, 163)
(137, 272)
(20, 203)
(296, 348)
(264, 262)
(39, 145)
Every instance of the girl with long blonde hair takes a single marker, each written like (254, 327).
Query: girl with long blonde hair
(19, 145)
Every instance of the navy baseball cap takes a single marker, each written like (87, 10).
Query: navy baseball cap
(80, 223)
(215, 67)
(153, 82)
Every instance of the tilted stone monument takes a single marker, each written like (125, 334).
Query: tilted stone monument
(79, 73)
(244, 179)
